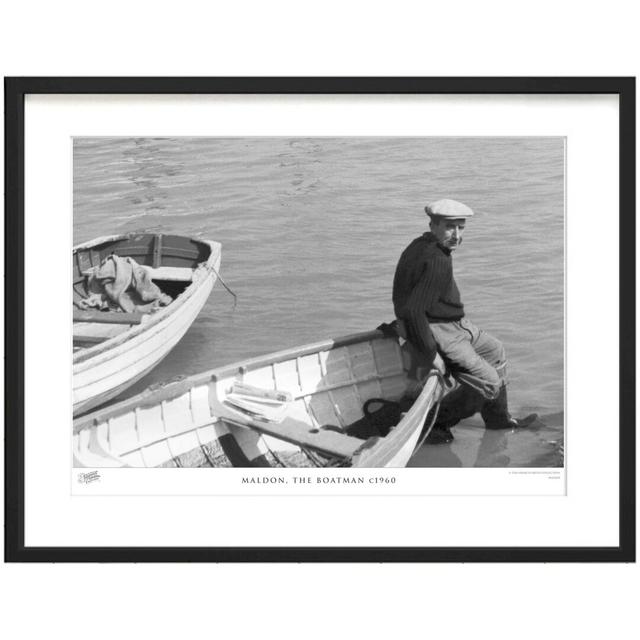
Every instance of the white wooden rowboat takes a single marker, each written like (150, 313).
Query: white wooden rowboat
(112, 350)
(292, 408)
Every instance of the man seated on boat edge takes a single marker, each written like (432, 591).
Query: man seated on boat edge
(427, 301)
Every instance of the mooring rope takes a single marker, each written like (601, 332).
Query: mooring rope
(224, 284)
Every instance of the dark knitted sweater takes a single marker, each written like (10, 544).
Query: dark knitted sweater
(424, 290)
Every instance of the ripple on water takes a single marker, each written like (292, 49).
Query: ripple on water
(312, 229)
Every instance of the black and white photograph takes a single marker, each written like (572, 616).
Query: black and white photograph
(363, 318)
(261, 201)
(319, 302)
(351, 334)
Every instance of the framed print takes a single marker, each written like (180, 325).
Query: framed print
(320, 319)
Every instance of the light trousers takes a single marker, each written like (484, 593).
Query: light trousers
(474, 357)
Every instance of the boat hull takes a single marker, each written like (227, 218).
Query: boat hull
(103, 372)
(190, 423)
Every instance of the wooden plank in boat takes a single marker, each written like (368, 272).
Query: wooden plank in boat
(106, 317)
(95, 333)
(87, 339)
(178, 274)
(299, 432)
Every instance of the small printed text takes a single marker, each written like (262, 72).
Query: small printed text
(308, 480)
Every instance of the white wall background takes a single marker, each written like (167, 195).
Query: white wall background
(328, 38)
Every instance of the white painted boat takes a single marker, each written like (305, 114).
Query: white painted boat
(112, 350)
(292, 408)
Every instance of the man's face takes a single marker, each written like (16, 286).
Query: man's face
(448, 231)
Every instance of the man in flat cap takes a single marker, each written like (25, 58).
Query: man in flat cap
(427, 300)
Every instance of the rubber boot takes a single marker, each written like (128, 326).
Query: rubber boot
(461, 403)
(495, 414)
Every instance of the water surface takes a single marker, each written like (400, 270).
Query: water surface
(312, 228)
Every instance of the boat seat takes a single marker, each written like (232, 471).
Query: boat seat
(107, 317)
(294, 429)
(88, 340)
(298, 432)
(90, 333)
(95, 327)
(177, 274)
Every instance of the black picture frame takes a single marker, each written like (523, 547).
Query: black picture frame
(15, 91)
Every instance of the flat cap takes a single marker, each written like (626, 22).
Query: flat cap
(448, 209)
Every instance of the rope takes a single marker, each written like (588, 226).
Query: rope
(307, 452)
(207, 456)
(224, 284)
(317, 461)
(312, 456)
(338, 462)
(276, 457)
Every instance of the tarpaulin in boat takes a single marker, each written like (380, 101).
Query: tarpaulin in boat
(122, 284)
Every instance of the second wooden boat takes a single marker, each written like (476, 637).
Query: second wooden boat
(113, 349)
(294, 408)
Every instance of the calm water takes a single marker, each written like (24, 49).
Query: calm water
(312, 228)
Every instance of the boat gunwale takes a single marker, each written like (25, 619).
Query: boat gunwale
(83, 356)
(171, 389)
